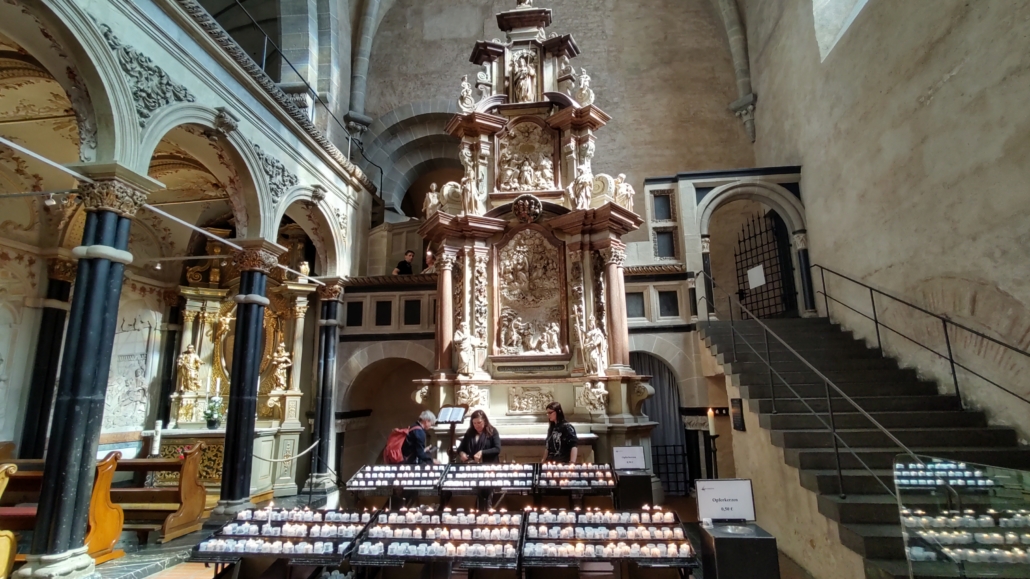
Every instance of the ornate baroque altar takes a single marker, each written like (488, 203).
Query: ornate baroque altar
(530, 253)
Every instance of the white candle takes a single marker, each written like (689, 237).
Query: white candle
(711, 422)
(218, 385)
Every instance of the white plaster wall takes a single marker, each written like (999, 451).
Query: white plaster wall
(22, 277)
(913, 135)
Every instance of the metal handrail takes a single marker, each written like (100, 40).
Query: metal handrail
(831, 426)
(945, 321)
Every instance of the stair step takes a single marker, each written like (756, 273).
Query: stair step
(883, 569)
(873, 541)
(869, 404)
(853, 389)
(824, 364)
(889, 420)
(882, 508)
(856, 481)
(883, 458)
(803, 345)
(838, 377)
(813, 356)
(911, 437)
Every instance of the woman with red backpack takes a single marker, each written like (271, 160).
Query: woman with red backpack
(413, 450)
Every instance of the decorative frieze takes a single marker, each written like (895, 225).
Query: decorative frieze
(152, 88)
(529, 399)
(280, 180)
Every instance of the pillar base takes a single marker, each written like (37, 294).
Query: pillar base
(619, 370)
(320, 484)
(809, 314)
(233, 507)
(74, 564)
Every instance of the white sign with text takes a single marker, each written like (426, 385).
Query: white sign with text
(725, 500)
(628, 458)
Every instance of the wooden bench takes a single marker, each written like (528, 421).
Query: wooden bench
(8, 542)
(18, 506)
(173, 511)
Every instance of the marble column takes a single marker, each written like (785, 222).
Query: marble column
(692, 296)
(57, 548)
(618, 330)
(706, 264)
(445, 319)
(255, 261)
(805, 269)
(328, 342)
(60, 275)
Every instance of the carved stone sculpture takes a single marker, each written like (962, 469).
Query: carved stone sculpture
(281, 363)
(484, 80)
(526, 159)
(189, 370)
(581, 189)
(624, 192)
(432, 202)
(529, 399)
(466, 103)
(472, 395)
(524, 4)
(593, 397)
(469, 191)
(584, 95)
(523, 76)
(465, 346)
(596, 349)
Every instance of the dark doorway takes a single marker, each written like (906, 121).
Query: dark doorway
(668, 439)
(764, 241)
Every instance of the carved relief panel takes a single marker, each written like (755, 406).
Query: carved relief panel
(530, 295)
(526, 151)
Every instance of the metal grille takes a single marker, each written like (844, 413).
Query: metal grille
(670, 465)
(764, 241)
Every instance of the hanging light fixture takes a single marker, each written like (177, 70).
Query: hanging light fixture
(50, 201)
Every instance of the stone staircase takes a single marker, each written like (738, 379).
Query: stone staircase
(911, 409)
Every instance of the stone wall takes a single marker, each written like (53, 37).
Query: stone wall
(661, 68)
(913, 135)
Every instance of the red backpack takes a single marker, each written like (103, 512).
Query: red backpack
(393, 454)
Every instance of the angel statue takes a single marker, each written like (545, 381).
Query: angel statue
(584, 95)
(624, 192)
(465, 101)
(281, 362)
(189, 370)
(432, 203)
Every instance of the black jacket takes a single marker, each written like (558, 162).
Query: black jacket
(414, 448)
(489, 444)
(561, 439)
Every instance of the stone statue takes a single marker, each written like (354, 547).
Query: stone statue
(565, 67)
(281, 362)
(524, 80)
(471, 395)
(596, 349)
(469, 192)
(465, 346)
(582, 187)
(624, 192)
(584, 95)
(189, 371)
(432, 203)
(304, 270)
(466, 103)
(593, 397)
(552, 338)
(524, 3)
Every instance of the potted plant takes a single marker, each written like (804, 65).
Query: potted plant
(213, 413)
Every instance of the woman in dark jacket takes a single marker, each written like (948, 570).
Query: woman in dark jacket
(561, 437)
(481, 443)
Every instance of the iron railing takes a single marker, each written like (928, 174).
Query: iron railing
(277, 51)
(773, 375)
(947, 324)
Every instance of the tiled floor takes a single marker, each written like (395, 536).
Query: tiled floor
(186, 571)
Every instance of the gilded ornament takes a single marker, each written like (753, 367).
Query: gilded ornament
(112, 195)
(61, 269)
(330, 291)
(255, 260)
(189, 371)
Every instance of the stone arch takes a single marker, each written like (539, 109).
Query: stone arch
(372, 353)
(406, 142)
(784, 202)
(252, 207)
(665, 351)
(298, 203)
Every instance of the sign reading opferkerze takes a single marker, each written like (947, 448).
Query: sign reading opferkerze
(725, 500)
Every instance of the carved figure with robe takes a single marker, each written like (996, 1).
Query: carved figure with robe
(189, 370)
(624, 192)
(465, 346)
(524, 80)
(432, 202)
(281, 363)
(596, 349)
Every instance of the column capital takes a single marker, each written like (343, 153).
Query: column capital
(115, 188)
(706, 244)
(445, 261)
(613, 255)
(332, 290)
(800, 239)
(61, 269)
(258, 255)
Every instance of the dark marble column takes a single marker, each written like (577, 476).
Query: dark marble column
(328, 342)
(57, 546)
(60, 275)
(254, 263)
(805, 269)
(706, 263)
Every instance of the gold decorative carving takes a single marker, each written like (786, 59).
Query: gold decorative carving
(61, 269)
(255, 260)
(189, 370)
(112, 195)
(210, 462)
(330, 291)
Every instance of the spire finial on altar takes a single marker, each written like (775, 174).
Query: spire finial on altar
(524, 4)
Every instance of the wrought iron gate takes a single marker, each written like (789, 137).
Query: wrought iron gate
(670, 465)
(764, 240)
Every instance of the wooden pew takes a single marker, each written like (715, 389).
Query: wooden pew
(8, 542)
(105, 518)
(173, 511)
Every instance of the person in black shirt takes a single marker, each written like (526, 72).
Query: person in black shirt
(482, 443)
(404, 266)
(561, 437)
(414, 448)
